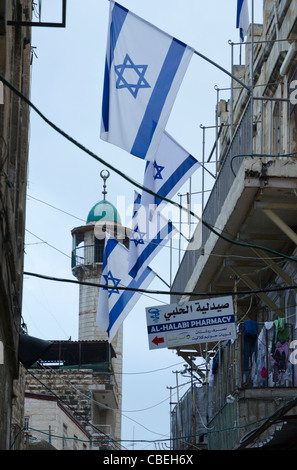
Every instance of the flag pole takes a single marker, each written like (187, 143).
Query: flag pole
(252, 76)
(223, 70)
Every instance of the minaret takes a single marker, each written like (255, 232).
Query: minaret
(87, 257)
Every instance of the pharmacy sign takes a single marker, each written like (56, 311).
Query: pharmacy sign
(197, 321)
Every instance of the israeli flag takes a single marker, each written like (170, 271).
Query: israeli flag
(114, 304)
(148, 236)
(242, 19)
(143, 72)
(165, 175)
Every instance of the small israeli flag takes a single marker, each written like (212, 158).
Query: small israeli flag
(149, 234)
(143, 72)
(242, 18)
(114, 304)
(165, 175)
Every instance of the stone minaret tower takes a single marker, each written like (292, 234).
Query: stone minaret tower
(87, 258)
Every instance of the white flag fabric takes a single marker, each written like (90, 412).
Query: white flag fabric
(171, 168)
(242, 19)
(143, 72)
(114, 304)
(148, 236)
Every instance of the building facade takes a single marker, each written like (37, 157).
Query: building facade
(54, 425)
(15, 53)
(249, 246)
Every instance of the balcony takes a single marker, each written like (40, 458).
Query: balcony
(102, 440)
(87, 255)
(229, 167)
(96, 355)
(251, 387)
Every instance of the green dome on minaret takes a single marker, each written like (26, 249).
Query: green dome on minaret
(104, 210)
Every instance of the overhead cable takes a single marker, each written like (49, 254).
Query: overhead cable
(161, 292)
(131, 180)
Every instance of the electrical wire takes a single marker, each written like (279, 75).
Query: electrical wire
(66, 404)
(54, 207)
(46, 243)
(131, 180)
(150, 371)
(205, 433)
(259, 155)
(160, 292)
(106, 407)
(165, 246)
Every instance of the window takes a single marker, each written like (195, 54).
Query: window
(65, 436)
(99, 249)
(276, 130)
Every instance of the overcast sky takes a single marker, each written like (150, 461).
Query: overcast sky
(64, 182)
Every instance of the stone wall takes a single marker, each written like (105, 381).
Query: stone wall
(14, 119)
(72, 387)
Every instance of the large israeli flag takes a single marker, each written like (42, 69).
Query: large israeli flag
(114, 304)
(143, 72)
(242, 18)
(148, 236)
(166, 174)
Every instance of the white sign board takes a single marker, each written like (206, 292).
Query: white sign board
(197, 321)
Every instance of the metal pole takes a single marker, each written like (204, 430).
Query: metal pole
(180, 226)
(231, 98)
(190, 205)
(217, 130)
(221, 68)
(179, 426)
(252, 79)
(170, 275)
(203, 163)
(170, 417)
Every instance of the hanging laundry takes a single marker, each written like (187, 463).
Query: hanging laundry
(250, 331)
(279, 358)
(216, 360)
(281, 331)
(250, 327)
(280, 355)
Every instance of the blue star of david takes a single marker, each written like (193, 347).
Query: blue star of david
(138, 240)
(109, 277)
(158, 169)
(138, 74)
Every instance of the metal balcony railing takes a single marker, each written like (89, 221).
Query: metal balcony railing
(86, 255)
(258, 361)
(241, 144)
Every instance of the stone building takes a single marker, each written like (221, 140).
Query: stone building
(52, 420)
(15, 53)
(249, 246)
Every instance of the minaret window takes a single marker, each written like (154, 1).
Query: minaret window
(98, 250)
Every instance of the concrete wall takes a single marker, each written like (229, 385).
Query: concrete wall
(49, 421)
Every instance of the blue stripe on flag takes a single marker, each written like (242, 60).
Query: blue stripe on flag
(119, 14)
(184, 167)
(158, 98)
(111, 245)
(239, 7)
(151, 246)
(125, 297)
